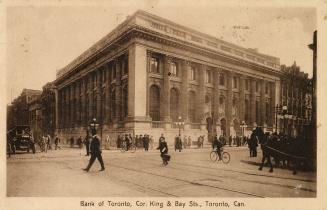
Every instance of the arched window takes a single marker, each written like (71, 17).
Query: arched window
(174, 104)
(191, 107)
(154, 106)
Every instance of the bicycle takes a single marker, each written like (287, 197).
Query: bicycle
(225, 156)
(123, 148)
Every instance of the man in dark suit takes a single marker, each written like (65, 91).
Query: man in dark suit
(95, 152)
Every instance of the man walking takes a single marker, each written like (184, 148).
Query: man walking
(57, 141)
(95, 152)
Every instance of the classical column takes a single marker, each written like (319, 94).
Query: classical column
(77, 105)
(201, 96)
(252, 102)
(90, 98)
(216, 74)
(63, 108)
(57, 108)
(229, 102)
(242, 98)
(263, 103)
(98, 95)
(118, 90)
(272, 118)
(186, 69)
(67, 121)
(138, 112)
(73, 105)
(165, 93)
(107, 93)
(82, 101)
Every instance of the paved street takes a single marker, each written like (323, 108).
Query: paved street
(190, 173)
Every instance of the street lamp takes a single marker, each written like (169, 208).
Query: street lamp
(243, 126)
(179, 124)
(284, 113)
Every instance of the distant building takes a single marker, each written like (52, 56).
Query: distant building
(149, 73)
(35, 116)
(296, 98)
(48, 102)
(19, 108)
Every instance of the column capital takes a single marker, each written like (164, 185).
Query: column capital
(186, 62)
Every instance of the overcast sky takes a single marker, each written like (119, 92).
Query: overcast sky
(41, 40)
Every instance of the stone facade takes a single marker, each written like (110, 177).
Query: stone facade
(150, 73)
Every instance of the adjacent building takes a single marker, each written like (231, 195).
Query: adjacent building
(296, 101)
(151, 75)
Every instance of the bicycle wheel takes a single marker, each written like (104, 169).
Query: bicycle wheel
(133, 148)
(225, 157)
(123, 147)
(213, 156)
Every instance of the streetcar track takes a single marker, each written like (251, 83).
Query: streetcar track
(231, 178)
(191, 182)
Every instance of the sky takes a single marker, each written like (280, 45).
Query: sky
(42, 39)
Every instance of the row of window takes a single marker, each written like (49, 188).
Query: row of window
(175, 72)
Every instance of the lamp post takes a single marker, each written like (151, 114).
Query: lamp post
(284, 114)
(243, 126)
(179, 124)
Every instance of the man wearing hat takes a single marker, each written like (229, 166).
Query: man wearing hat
(95, 152)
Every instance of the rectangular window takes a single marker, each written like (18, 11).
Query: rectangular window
(208, 76)
(222, 79)
(193, 73)
(257, 87)
(113, 71)
(125, 70)
(247, 84)
(267, 88)
(235, 82)
(154, 65)
(173, 69)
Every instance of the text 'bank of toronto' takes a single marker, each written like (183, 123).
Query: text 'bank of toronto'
(149, 73)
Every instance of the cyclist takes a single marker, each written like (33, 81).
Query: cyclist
(218, 144)
(127, 141)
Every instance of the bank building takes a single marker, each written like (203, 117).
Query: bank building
(151, 75)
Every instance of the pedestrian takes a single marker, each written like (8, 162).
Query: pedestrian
(184, 142)
(178, 143)
(140, 141)
(163, 147)
(57, 141)
(48, 139)
(44, 143)
(202, 141)
(230, 141)
(189, 141)
(95, 152)
(137, 140)
(151, 139)
(147, 141)
(72, 141)
(87, 143)
(119, 141)
(79, 142)
(199, 141)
